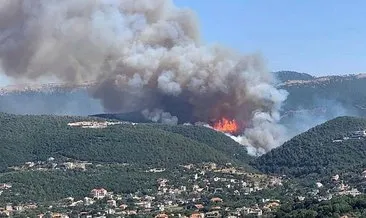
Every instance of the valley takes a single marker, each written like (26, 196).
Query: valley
(56, 172)
(128, 155)
(180, 109)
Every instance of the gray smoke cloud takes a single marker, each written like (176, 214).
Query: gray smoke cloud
(143, 54)
(159, 116)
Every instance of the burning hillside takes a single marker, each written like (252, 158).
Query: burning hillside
(146, 56)
(227, 126)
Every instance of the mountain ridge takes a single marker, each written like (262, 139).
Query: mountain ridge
(286, 78)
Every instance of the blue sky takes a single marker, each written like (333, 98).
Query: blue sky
(319, 37)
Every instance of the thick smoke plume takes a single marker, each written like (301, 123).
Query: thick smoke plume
(158, 115)
(143, 54)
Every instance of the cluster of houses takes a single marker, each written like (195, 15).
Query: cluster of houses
(52, 164)
(5, 186)
(153, 206)
(141, 205)
(94, 124)
(335, 187)
(341, 188)
(353, 135)
(10, 209)
(206, 192)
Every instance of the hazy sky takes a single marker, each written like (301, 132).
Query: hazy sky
(313, 36)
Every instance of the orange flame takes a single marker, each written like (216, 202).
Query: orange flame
(226, 125)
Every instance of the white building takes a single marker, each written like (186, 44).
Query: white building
(99, 193)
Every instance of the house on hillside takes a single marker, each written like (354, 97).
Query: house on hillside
(59, 215)
(252, 211)
(162, 215)
(53, 215)
(216, 200)
(351, 135)
(197, 215)
(364, 173)
(272, 204)
(99, 193)
(76, 165)
(112, 203)
(335, 177)
(85, 215)
(213, 214)
(358, 134)
(5, 186)
(195, 207)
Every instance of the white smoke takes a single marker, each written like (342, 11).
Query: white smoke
(263, 132)
(159, 116)
(144, 54)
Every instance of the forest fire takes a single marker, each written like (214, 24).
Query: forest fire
(227, 126)
(172, 78)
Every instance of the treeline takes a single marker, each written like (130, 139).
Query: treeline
(347, 206)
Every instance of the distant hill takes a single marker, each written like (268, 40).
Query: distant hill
(349, 91)
(53, 98)
(306, 92)
(312, 101)
(309, 92)
(284, 76)
(316, 152)
(32, 138)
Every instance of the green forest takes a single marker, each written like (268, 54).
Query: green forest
(33, 138)
(314, 152)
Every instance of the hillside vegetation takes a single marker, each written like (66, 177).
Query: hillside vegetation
(56, 184)
(32, 138)
(215, 139)
(343, 206)
(315, 152)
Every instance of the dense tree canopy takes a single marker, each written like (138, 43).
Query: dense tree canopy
(315, 152)
(336, 207)
(32, 138)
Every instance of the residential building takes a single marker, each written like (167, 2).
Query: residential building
(99, 193)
